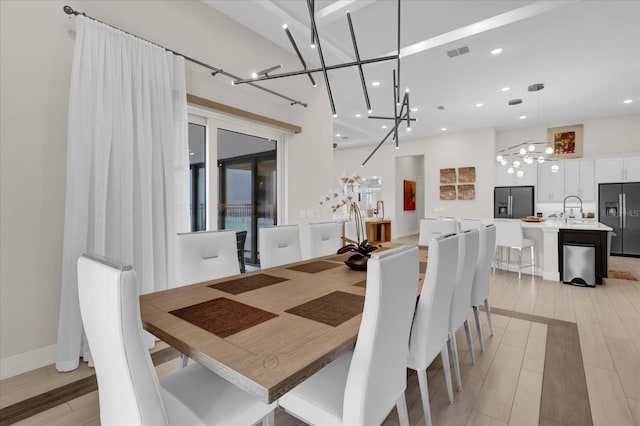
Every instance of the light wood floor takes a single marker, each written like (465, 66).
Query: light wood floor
(505, 385)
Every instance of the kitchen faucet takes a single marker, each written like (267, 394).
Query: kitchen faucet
(564, 206)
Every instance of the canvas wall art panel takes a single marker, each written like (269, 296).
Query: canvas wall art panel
(448, 175)
(466, 192)
(466, 174)
(409, 195)
(447, 192)
(566, 141)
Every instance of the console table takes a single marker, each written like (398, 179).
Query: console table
(378, 231)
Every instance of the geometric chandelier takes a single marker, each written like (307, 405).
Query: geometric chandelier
(401, 104)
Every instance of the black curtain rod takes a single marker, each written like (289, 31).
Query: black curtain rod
(70, 11)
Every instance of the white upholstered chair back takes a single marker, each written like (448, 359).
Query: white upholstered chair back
(430, 328)
(350, 231)
(108, 295)
(467, 224)
(430, 228)
(467, 260)
(324, 238)
(487, 248)
(206, 255)
(377, 374)
(508, 233)
(279, 245)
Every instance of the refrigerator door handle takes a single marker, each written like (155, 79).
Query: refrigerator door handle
(509, 205)
(620, 210)
(624, 210)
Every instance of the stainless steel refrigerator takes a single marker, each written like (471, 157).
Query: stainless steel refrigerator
(620, 209)
(513, 202)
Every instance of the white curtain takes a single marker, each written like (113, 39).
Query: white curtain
(127, 166)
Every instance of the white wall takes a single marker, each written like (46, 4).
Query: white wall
(408, 222)
(36, 53)
(604, 136)
(474, 148)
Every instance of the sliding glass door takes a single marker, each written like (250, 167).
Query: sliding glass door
(247, 186)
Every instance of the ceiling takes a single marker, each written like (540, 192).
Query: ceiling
(586, 53)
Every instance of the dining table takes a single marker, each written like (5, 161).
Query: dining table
(268, 330)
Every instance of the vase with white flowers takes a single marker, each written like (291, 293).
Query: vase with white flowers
(347, 199)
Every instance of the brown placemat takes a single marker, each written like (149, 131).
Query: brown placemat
(362, 284)
(252, 282)
(340, 257)
(223, 317)
(314, 267)
(331, 309)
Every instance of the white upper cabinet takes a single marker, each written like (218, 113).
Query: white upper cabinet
(550, 184)
(502, 178)
(624, 169)
(579, 178)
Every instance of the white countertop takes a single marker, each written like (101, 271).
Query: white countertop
(576, 225)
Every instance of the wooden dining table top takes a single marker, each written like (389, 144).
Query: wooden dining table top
(265, 331)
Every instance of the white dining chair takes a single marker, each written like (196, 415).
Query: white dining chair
(279, 245)
(430, 329)
(351, 232)
(362, 386)
(324, 238)
(459, 316)
(509, 237)
(205, 256)
(465, 224)
(430, 227)
(129, 391)
(480, 287)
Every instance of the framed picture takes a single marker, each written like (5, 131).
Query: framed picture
(566, 141)
(447, 192)
(409, 195)
(467, 192)
(448, 176)
(466, 174)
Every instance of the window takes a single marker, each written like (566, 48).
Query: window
(243, 192)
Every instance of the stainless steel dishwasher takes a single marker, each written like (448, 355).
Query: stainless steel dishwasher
(579, 264)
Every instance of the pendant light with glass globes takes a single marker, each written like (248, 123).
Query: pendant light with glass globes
(525, 152)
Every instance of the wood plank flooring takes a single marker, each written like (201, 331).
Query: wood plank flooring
(509, 385)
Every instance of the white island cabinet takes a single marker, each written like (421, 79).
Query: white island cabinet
(545, 235)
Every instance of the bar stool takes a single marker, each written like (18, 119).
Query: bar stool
(509, 236)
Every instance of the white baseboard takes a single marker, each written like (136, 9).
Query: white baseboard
(27, 361)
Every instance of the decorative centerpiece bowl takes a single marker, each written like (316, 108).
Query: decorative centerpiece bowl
(358, 260)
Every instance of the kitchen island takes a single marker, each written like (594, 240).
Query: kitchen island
(546, 234)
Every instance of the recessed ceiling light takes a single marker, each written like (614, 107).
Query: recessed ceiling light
(337, 135)
(384, 127)
(285, 26)
(369, 111)
(335, 115)
(444, 129)
(479, 104)
(414, 109)
(375, 84)
(627, 101)
(496, 51)
(506, 89)
(522, 117)
(358, 115)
